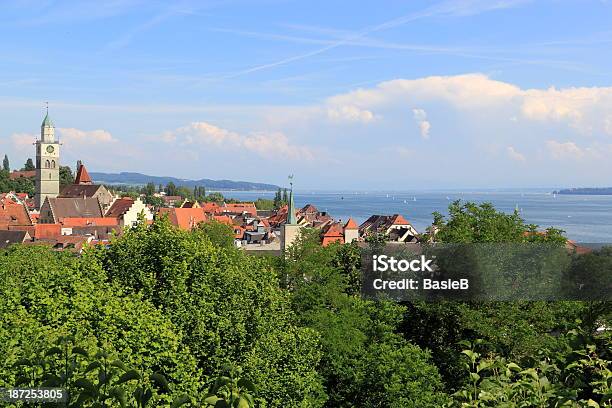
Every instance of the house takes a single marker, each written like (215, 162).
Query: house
(211, 208)
(396, 227)
(239, 209)
(332, 232)
(190, 204)
(127, 210)
(13, 237)
(184, 218)
(351, 231)
(172, 201)
(54, 210)
(13, 214)
(83, 187)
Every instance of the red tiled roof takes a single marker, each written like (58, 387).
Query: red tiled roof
(47, 231)
(13, 214)
(211, 208)
(82, 176)
(240, 208)
(332, 233)
(184, 218)
(84, 222)
(224, 219)
(351, 224)
(25, 173)
(119, 207)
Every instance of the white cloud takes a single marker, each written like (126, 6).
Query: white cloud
(78, 136)
(515, 155)
(420, 116)
(565, 150)
(23, 141)
(584, 109)
(349, 113)
(265, 144)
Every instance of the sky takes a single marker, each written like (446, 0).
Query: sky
(368, 95)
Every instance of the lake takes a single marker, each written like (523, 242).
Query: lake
(583, 218)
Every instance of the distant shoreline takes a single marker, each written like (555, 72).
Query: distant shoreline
(586, 191)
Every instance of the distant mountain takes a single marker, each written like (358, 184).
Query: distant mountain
(586, 191)
(141, 179)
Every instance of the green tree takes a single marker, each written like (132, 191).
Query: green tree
(171, 189)
(29, 165)
(5, 163)
(365, 363)
(66, 176)
(46, 295)
(227, 304)
(148, 189)
(218, 233)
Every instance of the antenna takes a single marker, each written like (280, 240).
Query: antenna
(291, 181)
(47, 107)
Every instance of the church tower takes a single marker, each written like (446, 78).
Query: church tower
(47, 163)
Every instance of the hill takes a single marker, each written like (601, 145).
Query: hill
(586, 191)
(141, 179)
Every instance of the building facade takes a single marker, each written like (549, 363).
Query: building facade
(47, 163)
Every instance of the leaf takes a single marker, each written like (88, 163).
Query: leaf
(591, 403)
(128, 376)
(87, 385)
(242, 403)
(118, 394)
(92, 366)
(22, 362)
(119, 364)
(160, 381)
(244, 383)
(513, 366)
(212, 400)
(52, 351)
(180, 401)
(81, 351)
(474, 377)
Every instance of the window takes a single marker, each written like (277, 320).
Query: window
(47, 164)
(52, 164)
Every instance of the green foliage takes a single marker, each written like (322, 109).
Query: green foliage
(264, 204)
(474, 223)
(230, 392)
(65, 175)
(577, 374)
(281, 198)
(18, 185)
(45, 295)
(29, 165)
(227, 305)
(5, 164)
(221, 235)
(365, 362)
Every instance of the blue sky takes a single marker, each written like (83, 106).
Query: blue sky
(344, 94)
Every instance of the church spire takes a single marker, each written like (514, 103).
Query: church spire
(47, 129)
(291, 215)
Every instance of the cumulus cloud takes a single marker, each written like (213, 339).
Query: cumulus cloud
(515, 155)
(349, 113)
(265, 144)
(584, 109)
(566, 150)
(23, 141)
(420, 116)
(78, 136)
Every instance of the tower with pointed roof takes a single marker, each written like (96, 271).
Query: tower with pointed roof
(47, 162)
(291, 229)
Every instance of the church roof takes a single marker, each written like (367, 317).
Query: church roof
(82, 176)
(47, 121)
(351, 224)
(80, 190)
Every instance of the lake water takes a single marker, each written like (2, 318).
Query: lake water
(584, 218)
